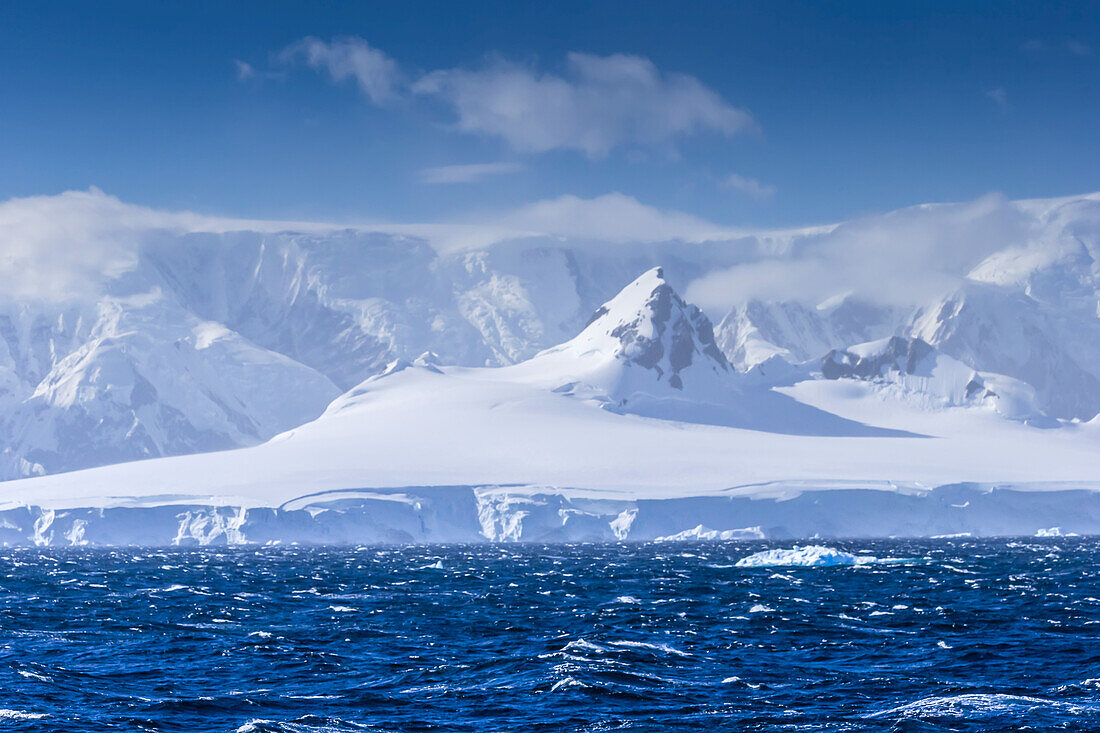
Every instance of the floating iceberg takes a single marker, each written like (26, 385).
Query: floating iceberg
(1054, 532)
(808, 556)
(705, 533)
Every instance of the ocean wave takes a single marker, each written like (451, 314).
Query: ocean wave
(307, 724)
(7, 714)
(1091, 684)
(582, 645)
(662, 648)
(567, 682)
(978, 706)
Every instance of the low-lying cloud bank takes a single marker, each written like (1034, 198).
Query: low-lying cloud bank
(904, 257)
(69, 245)
(66, 246)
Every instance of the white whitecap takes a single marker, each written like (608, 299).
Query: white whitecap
(665, 648)
(7, 714)
(566, 683)
(977, 706)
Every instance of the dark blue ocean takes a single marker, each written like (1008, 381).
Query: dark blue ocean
(953, 635)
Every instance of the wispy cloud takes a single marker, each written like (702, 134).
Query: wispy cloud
(1073, 46)
(469, 173)
(904, 257)
(999, 97)
(598, 104)
(377, 75)
(73, 245)
(601, 103)
(749, 186)
(613, 217)
(1077, 48)
(245, 70)
(76, 244)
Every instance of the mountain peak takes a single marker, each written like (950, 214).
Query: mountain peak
(649, 325)
(634, 296)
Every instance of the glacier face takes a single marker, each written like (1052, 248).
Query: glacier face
(193, 335)
(497, 514)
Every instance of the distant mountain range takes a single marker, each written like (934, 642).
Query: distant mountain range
(371, 362)
(207, 340)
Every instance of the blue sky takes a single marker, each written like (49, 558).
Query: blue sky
(751, 113)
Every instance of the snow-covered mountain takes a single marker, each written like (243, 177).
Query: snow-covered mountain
(587, 439)
(1005, 330)
(143, 380)
(755, 330)
(210, 340)
(1026, 306)
(127, 333)
(913, 370)
(644, 344)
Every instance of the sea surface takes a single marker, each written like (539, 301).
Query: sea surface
(956, 634)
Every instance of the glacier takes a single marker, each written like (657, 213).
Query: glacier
(222, 381)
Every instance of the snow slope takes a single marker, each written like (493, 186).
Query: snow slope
(132, 378)
(912, 370)
(1009, 332)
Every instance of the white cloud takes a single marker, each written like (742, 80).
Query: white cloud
(67, 246)
(377, 75)
(70, 246)
(905, 257)
(73, 245)
(469, 173)
(749, 186)
(598, 104)
(999, 97)
(603, 102)
(613, 217)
